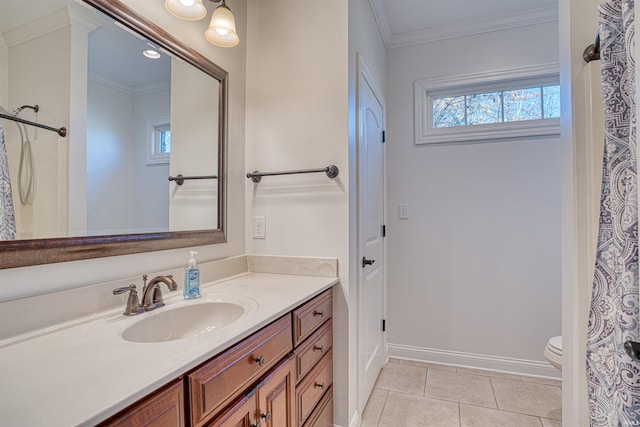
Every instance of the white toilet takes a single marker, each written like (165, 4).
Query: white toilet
(553, 352)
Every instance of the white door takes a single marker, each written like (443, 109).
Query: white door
(371, 261)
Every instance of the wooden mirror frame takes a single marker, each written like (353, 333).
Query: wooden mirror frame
(20, 253)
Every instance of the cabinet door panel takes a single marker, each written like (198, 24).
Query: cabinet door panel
(276, 396)
(243, 413)
(164, 408)
(223, 379)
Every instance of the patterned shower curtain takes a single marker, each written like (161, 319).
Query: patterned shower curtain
(613, 378)
(7, 218)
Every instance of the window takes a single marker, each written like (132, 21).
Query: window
(158, 140)
(518, 103)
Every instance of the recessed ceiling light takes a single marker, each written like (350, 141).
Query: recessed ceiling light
(150, 53)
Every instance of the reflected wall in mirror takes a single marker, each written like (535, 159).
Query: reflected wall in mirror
(132, 121)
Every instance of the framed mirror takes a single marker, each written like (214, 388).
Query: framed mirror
(142, 167)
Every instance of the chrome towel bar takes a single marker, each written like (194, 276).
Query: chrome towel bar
(331, 171)
(181, 179)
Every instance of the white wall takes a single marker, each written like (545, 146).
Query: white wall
(296, 119)
(19, 282)
(150, 183)
(477, 264)
(121, 187)
(110, 160)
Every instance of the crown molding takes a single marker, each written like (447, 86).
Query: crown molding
(382, 21)
(143, 89)
(480, 26)
(39, 27)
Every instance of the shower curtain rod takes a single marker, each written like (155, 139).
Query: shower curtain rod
(60, 131)
(592, 52)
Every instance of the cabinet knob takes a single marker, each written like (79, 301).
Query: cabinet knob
(260, 360)
(318, 313)
(256, 424)
(266, 417)
(320, 386)
(319, 348)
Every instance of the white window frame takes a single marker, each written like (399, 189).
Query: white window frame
(154, 156)
(427, 89)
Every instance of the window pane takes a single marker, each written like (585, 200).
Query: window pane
(551, 100)
(165, 141)
(522, 104)
(484, 108)
(448, 112)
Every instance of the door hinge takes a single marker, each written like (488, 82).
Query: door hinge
(384, 136)
(384, 231)
(384, 325)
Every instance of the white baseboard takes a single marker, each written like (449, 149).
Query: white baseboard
(530, 368)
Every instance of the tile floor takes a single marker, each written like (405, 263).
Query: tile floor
(421, 394)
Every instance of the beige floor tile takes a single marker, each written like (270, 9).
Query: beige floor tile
(426, 365)
(550, 423)
(528, 398)
(402, 378)
(475, 416)
(474, 371)
(459, 387)
(412, 411)
(374, 407)
(547, 381)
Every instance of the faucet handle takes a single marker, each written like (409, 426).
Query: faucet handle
(133, 303)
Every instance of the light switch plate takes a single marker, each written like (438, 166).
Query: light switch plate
(403, 211)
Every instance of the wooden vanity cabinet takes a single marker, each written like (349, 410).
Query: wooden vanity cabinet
(281, 376)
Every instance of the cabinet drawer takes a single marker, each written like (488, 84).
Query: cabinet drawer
(313, 386)
(322, 416)
(227, 375)
(163, 408)
(312, 350)
(309, 316)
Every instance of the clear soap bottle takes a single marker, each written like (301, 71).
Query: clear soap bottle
(191, 278)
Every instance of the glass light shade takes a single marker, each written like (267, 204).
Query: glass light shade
(222, 29)
(189, 10)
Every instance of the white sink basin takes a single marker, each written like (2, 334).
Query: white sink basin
(187, 320)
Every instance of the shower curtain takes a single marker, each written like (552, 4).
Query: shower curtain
(7, 216)
(613, 378)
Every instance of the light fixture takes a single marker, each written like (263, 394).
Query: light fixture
(190, 10)
(222, 28)
(151, 54)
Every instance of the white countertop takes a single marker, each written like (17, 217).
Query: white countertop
(85, 372)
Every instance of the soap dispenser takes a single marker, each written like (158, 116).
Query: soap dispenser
(191, 278)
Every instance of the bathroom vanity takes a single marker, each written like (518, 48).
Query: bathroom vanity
(271, 366)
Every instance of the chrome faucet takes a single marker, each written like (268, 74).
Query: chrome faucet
(151, 293)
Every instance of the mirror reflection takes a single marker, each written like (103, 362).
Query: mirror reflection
(135, 117)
